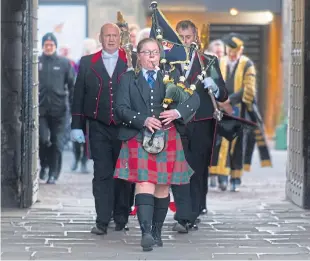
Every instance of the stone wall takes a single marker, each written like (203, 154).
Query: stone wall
(11, 101)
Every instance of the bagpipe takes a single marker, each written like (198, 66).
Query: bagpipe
(125, 39)
(174, 52)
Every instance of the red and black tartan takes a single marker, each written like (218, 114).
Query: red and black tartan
(168, 167)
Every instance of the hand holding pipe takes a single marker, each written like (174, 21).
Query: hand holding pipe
(218, 115)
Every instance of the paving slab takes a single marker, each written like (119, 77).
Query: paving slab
(256, 223)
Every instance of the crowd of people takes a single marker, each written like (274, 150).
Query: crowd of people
(110, 111)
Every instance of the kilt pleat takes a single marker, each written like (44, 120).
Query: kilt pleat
(168, 167)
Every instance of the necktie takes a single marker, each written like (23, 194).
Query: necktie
(150, 78)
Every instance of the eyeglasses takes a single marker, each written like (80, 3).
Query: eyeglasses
(148, 53)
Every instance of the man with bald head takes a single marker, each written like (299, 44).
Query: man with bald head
(94, 120)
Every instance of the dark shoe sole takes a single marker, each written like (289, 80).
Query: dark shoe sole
(193, 227)
(147, 242)
(180, 228)
(158, 243)
(121, 227)
(98, 231)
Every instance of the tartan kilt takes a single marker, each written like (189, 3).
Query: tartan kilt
(134, 164)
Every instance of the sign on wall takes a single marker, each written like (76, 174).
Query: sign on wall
(67, 22)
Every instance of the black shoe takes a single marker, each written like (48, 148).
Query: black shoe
(120, 227)
(147, 242)
(51, 180)
(180, 228)
(194, 226)
(99, 230)
(145, 204)
(156, 233)
(160, 212)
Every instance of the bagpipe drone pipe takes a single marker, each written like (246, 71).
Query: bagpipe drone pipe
(174, 52)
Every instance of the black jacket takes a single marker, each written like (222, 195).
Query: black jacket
(95, 90)
(56, 79)
(205, 111)
(136, 101)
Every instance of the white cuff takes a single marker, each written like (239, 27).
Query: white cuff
(178, 113)
(217, 93)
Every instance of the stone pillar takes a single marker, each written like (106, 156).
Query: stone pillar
(103, 11)
(286, 51)
(11, 101)
(306, 120)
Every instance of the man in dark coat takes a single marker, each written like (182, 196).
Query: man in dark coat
(200, 131)
(56, 79)
(93, 116)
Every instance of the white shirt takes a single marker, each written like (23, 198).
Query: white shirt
(109, 61)
(190, 65)
(231, 65)
(145, 75)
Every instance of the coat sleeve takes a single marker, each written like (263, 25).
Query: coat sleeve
(248, 91)
(219, 81)
(188, 108)
(78, 119)
(236, 97)
(70, 81)
(249, 83)
(123, 108)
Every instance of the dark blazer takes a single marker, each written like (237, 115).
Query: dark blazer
(95, 91)
(133, 105)
(205, 111)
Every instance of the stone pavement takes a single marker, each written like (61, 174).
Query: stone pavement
(256, 223)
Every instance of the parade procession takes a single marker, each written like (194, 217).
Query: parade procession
(155, 130)
(158, 118)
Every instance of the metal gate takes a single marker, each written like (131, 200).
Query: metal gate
(297, 170)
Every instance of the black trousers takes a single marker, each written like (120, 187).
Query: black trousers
(51, 131)
(182, 193)
(132, 195)
(111, 195)
(77, 150)
(200, 135)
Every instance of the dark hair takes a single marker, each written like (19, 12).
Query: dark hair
(144, 41)
(185, 24)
